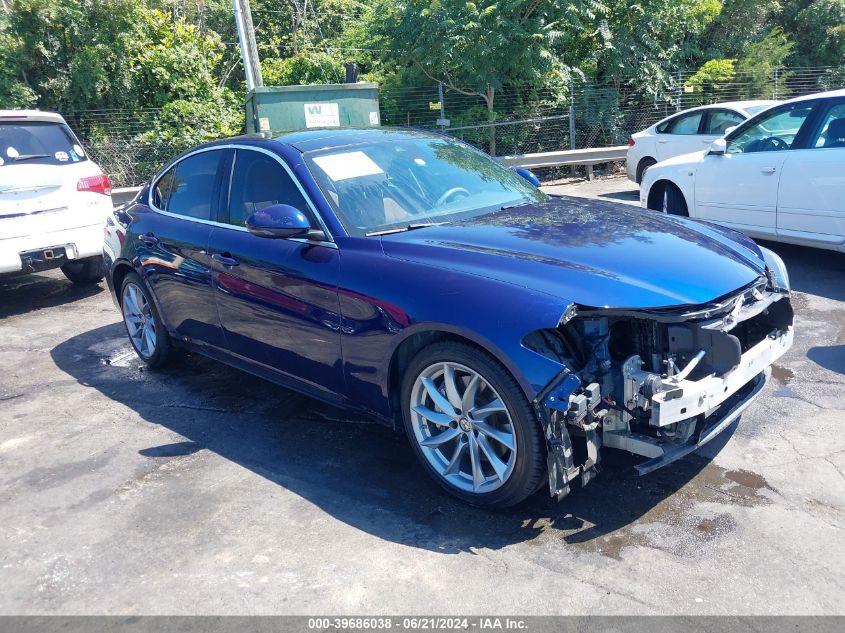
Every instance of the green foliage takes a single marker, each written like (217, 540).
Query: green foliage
(757, 66)
(309, 67)
(712, 77)
(822, 40)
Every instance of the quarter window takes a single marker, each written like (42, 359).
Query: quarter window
(832, 131)
(188, 188)
(259, 181)
(774, 132)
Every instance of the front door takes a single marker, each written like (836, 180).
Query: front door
(277, 298)
(740, 187)
(811, 197)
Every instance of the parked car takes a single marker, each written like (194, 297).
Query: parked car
(53, 199)
(685, 132)
(512, 334)
(778, 176)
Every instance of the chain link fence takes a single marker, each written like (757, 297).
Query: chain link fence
(578, 115)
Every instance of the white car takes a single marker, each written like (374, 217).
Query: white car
(686, 132)
(778, 176)
(53, 199)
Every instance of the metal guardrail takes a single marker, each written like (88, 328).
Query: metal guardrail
(573, 157)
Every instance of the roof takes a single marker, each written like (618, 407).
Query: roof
(31, 115)
(820, 95)
(742, 105)
(309, 140)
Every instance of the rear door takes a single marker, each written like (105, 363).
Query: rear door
(172, 244)
(811, 197)
(277, 298)
(740, 188)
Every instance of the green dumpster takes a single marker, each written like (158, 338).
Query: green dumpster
(277, 108)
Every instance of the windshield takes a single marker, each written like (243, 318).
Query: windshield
(415, 180)
(756, 109)
(38, 142)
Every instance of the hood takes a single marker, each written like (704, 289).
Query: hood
(591, 253)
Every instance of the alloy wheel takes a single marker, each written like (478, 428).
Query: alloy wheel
(139, 319)
(462, 427)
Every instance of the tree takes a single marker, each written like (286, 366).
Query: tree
(709, 80)
(757, 67)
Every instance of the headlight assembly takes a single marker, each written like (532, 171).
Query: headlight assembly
(776, 269)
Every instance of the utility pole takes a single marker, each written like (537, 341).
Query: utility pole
(249, 49)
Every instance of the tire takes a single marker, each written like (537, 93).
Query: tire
(462, 463)
(84, 271)
(668, 199)
(643, 165)
(139, 313)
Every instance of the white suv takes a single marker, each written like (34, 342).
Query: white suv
(53, 199)
(778, 176)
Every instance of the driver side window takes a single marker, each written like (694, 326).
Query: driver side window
(776, 131)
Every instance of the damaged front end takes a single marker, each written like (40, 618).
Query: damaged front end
(655, 382)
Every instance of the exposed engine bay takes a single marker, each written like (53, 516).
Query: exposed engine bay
(656, 383)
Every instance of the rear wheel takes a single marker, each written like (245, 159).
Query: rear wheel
(666, 197)
(644, 164)
(84, 271)
(143, 325)
(471, 426)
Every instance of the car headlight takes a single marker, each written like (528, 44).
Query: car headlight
(778, 275)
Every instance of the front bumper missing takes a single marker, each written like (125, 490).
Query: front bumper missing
(716, 400)
(673, 453)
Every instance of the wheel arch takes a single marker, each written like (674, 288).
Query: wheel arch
(651, 160)
(418, 337)
(658, 187)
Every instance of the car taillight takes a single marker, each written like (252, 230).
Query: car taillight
(95, 184)
(630, 141)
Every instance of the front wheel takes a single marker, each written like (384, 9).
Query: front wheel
(471, 426)
(668, 199)
(84, 271)
(143, 325)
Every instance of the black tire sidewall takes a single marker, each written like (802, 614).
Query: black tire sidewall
(90, 270)
(163, 347)
(530, 460)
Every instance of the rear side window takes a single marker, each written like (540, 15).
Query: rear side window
(38, 142)
(685, 124)
(719, 121)
(259, 181)
(188, 187)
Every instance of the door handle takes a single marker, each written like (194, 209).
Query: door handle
(663, 141)
(148, 238)
(225, 259)
(768, 170)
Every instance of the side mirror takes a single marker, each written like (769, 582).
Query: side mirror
(718, 147)
(528, 175)
(278, 221)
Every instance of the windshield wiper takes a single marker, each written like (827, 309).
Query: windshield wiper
(514, 205)
(21, 157)
(402, 229)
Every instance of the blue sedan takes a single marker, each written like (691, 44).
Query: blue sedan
(513, 335)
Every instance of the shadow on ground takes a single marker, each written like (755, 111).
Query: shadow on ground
(19, 295)
(628, 196)
(359, 472)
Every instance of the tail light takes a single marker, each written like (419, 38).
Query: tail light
(631, 141)
(95, 184)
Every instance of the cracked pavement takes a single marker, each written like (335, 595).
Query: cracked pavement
(203, 490)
